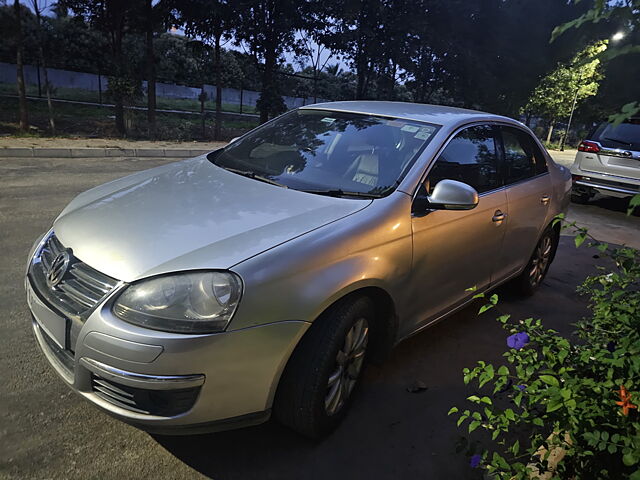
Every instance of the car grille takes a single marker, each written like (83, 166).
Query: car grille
(81, 288)
(164, 403)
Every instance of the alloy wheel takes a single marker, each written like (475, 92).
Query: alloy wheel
(349, 361)
(540, 260)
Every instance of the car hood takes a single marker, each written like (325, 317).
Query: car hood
(188, 215)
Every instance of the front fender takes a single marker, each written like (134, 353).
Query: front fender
(300, 279)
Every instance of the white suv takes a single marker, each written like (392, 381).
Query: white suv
(608, 162)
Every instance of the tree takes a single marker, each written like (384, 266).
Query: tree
(623, 16)
(559, 91)
(212, 21)
(22, 93)
(151, 67)
(356, 35)
(267, 28)
(47, 85)
(112, 18)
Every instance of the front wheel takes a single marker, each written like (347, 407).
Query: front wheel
(535, 271)
(318, 383)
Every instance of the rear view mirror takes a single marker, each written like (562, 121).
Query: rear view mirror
(447, 195)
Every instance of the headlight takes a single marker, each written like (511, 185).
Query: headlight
(199, 302)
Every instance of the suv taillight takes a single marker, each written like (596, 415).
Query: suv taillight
(587, 146)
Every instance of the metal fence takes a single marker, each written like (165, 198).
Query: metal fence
(98, 83)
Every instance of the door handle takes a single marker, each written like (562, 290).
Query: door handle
(498, 216)
(544, 200)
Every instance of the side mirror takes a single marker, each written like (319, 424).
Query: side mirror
(448, 195)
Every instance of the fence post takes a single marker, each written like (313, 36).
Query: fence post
(99, 88)
(241, 99)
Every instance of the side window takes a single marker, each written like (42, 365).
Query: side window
(522, 157)
(470, 157)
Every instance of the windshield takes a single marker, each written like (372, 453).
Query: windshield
(329, 152)
(625, 136)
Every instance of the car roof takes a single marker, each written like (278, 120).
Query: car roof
(421, 112)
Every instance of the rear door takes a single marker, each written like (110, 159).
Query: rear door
(619, 154)
(529, 190)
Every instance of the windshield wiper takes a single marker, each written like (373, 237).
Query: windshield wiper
(342, 193)
(248, 174)
(619, 141)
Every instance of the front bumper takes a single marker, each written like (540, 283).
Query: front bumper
(165, 382)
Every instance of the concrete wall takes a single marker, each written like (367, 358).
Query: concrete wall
(90, 81)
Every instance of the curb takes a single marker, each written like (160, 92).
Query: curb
(100, 152)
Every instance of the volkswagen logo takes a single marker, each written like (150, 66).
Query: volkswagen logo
(58, 268)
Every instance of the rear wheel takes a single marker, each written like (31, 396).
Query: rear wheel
(318, 383)
(535, 271)
(581, 195)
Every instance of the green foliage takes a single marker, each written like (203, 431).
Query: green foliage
(554, 96)
(564, 394)
(624, 15)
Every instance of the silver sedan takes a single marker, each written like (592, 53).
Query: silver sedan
(262, 278)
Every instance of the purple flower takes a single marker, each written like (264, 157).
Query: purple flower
(521, 387)
(517, 340)
(475, 461)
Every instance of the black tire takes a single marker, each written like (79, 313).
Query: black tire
(581, 196)
(304, 389)
(536, 270)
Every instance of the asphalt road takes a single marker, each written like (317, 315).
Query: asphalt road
(48, 432)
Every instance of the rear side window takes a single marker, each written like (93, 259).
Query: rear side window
(625, 136)
(522, 156)
(470, 157)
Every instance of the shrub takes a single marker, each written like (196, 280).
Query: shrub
(574, 399)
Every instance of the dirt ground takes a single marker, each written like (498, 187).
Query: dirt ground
(55, 142)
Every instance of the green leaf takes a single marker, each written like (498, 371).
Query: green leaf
(503, 370)
(550, 380)
(629, 459)
(580, 238)
(554, 404)
(484, 308)
(635, 475)
(473, 425)
(453, 410)
(634, 202)
(486, 400)
(509, 414)
(538, 421)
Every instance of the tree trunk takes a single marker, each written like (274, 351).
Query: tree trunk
(267, 83)
(151, 72)
(552, 124)
(47, 85)
(218, 66)
(119, 111)
(22, 93)
(203, 99)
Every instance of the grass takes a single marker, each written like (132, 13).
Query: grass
(97, 121)
(82, 95)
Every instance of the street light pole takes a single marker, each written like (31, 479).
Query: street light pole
(566, 132)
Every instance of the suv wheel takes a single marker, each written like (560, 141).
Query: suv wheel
(538, 266)
(318, 383)
(581, 195)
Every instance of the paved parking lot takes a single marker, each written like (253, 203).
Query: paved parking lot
(48, 432)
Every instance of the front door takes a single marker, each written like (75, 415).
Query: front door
(456, 250)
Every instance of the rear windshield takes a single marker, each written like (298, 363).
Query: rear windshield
(626, 135)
